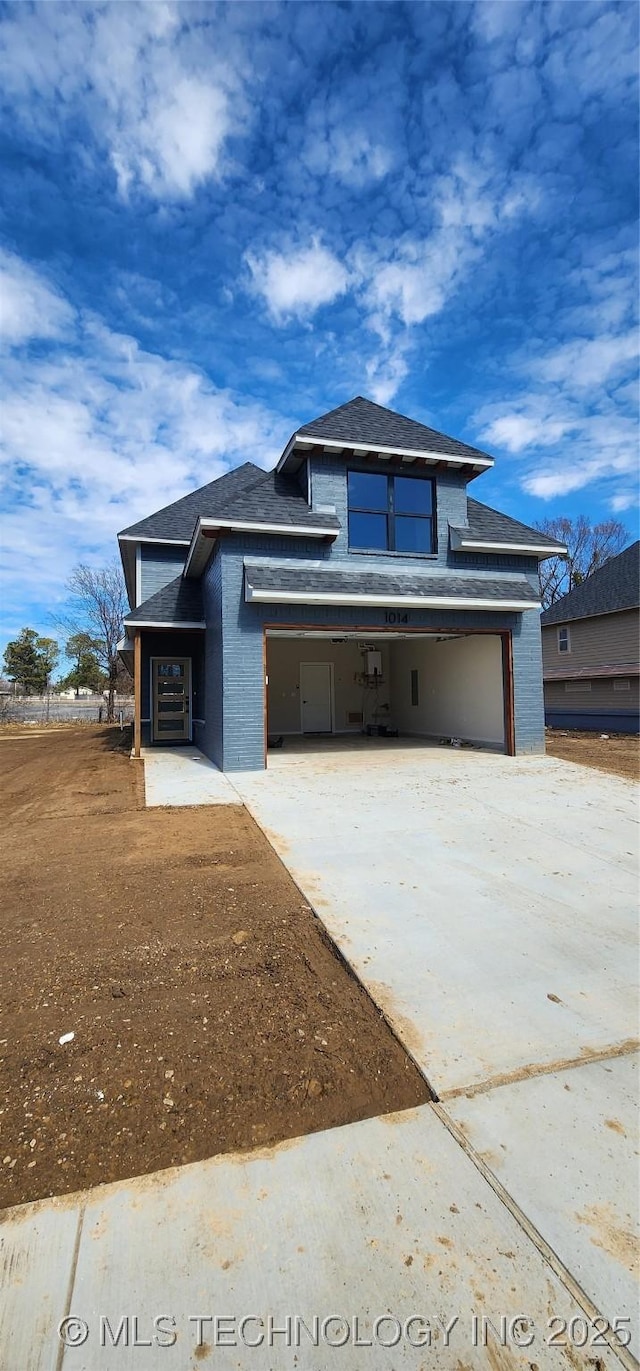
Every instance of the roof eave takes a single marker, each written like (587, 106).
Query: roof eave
(274, 596)
(461, 543)
(164, 623)
(303, 443)
(206, 533)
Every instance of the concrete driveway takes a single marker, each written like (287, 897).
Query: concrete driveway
(489, 906)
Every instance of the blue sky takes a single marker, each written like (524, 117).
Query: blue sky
(220, 221)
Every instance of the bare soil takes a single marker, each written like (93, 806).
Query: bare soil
(618, 754)
(209, 1009)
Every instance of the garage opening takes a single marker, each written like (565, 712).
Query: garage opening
(324, 685)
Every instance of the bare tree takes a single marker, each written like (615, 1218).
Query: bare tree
(98, 604)
(588, 548)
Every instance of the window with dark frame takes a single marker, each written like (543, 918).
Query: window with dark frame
(563, 640)
(390, 513)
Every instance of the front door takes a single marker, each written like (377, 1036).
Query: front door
(171, 680)
(315, 697)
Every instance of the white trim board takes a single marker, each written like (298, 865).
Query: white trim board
(155, 623)
(211, 525)
(306, 441)
(462, 544)
(303, 597)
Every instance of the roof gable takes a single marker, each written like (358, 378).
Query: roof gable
(362, 422)
(615, 586)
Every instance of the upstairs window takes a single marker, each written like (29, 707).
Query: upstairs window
(564, 641)
(390, 513)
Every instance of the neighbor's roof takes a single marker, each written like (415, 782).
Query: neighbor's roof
(615, 586)
(487, 525)
(179, 603)
(361, 421)
(588, 673)
(246, 494)
(308, 581)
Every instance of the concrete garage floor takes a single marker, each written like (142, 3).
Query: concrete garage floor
(489, 906)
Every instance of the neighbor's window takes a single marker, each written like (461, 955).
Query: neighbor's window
(390, 513)
(564, 642)
(415, 691)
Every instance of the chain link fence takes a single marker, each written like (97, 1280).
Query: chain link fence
(43, 709)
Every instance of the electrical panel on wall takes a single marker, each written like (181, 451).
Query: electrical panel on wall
(373, 664)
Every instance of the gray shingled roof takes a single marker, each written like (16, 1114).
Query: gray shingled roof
(180, 602)
(275, 499)
(615, 586)
(247, 493)
(362, 421)
(179, 519)
(311, 578)
(488, 525)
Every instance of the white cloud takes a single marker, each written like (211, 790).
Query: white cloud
(625, 499)
(588, 362)
(524, 429)
(97, 433)
(159, 101)
(349, 154)
(415, 279)
(299, 281)
(29, 306)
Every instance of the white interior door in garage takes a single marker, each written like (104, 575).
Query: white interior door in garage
(316, 712)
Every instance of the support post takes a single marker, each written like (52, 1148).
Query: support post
(137, 692)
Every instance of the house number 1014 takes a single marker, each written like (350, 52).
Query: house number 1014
(392, 616)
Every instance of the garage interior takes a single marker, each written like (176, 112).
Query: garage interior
(434, 686)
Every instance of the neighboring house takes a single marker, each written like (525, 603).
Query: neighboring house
(590, 650)
(355, 588)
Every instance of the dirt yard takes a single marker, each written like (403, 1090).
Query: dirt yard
(618, 754)
(209, 1011)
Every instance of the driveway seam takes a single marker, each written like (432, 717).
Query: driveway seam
(533, 1234)
(72, 1280)
(527, 1073)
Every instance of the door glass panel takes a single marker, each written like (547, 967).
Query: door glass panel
(166, 725)
(170, 669)
(172, 707)
(170, 688)
(368, 530)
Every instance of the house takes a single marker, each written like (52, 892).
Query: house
(356, 588)
(590, 654)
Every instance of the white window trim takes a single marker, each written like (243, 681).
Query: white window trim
(563, 628)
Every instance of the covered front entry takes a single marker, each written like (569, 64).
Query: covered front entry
(431, 685)
(170, 699)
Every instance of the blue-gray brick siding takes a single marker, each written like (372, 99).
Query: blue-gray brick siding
(210, 739)
(158, 566)
(234, 669)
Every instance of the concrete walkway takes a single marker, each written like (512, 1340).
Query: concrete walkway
(378, 1238)
(184, 776)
